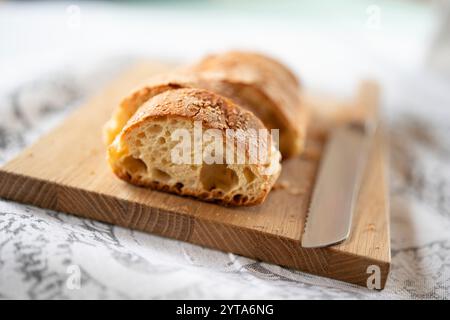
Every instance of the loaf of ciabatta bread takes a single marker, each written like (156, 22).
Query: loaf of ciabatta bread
(160, 147)
(253, 81)
(264, 86)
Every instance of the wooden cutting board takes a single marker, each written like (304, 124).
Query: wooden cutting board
(66, 171)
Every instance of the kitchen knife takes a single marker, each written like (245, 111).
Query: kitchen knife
(340, 173)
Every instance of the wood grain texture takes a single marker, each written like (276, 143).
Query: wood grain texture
(66, 171)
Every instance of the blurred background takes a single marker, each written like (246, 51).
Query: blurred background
(330, 44)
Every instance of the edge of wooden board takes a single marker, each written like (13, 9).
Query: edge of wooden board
(328, 262)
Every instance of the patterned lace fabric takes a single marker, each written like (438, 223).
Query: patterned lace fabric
(39, 248)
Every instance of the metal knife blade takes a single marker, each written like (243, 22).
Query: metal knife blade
(337, 185)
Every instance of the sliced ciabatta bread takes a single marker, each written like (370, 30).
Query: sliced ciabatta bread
(147, 151)
(255, 82)
(267, 88)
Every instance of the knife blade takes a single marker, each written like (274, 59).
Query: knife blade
(334, 196)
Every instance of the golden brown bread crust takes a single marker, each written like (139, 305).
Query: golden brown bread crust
(276, 86)
(210, 196)
(230, 58)
(213, 111)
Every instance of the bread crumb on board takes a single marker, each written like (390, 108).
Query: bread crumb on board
(285, 185)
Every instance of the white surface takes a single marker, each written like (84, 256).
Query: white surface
(330, 46)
